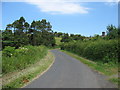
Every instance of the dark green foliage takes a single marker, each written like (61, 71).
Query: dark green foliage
(112, 32)
(7, 35)
(58, 34)
(77, 37)
(72, 37)
(97, 48)
(9, 51)
(103, 50)
(8, 43)
(21, 33)
(66, 38)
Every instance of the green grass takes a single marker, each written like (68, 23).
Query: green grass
(25, 76)
(106, 69)
(18, 59)
(58, 40)
(115, 80)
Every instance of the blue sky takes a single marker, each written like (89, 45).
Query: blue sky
(86, 18)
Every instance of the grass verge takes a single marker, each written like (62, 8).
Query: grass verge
(24, 77)
(115, 80)
(109, 70)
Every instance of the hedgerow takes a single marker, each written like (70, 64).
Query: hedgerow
(99, 50)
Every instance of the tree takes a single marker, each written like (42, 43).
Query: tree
(22, 20)
(38, 33)
(66, 38)
(49, 26)
(9, 27)
(112, 32)
(71, 35)
(38, 25)
(33, 24)
(15, 25)
(59, 34)
(55, 34)
(43, 25)
(7, 35)
(26, 25)
(21, 24)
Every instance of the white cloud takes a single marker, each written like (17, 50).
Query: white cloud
(59, 6)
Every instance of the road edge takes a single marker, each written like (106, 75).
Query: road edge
(42, 72)
(93, 69)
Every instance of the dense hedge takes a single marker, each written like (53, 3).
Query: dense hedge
(18, 59)
(102, 50)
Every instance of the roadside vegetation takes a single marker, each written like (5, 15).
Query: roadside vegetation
(18, 59)
(105, 51)
(24, 50)
(101, 50)
(23, 77)
(108, 69)
(25, 45)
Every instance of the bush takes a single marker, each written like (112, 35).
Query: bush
(9, 51)
(22, 57)
(103, 50)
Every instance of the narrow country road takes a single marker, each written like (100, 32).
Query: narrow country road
(67, 72)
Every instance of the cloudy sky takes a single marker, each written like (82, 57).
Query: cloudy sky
(69, 16)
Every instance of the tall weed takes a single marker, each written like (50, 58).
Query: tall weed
(21, 58)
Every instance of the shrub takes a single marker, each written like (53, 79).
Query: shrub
(9, 51)
(22, 57)
(103, 50)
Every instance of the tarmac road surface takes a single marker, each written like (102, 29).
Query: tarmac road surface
(67, 72)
